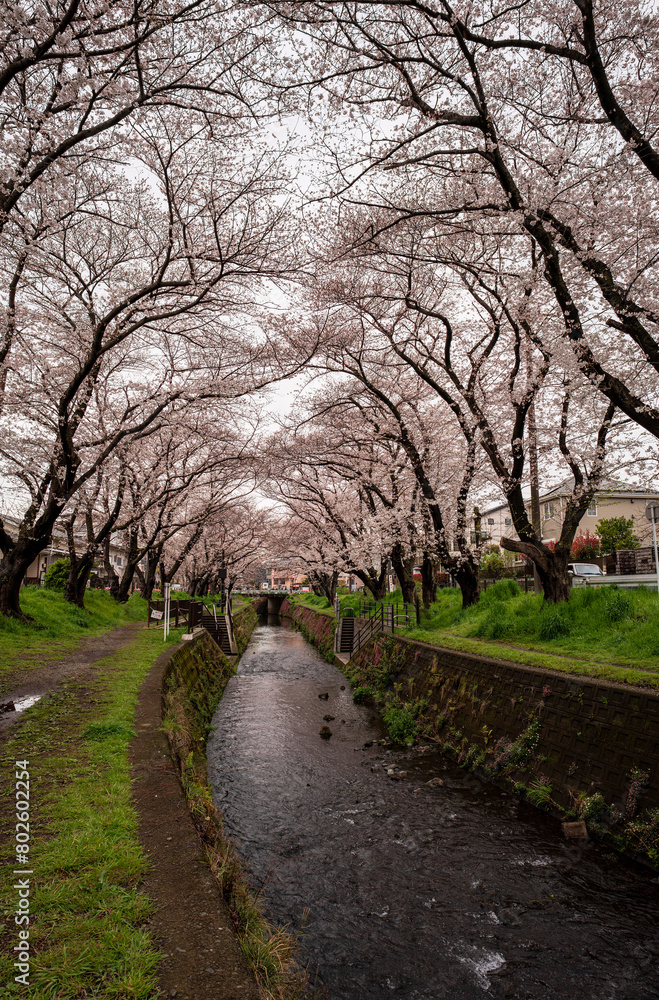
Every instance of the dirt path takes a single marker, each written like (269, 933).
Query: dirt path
(192, 926)
(78, 665)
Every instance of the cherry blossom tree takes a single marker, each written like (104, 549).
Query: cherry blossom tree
(130, 314)
(539, 122)
(470, 335)
(77, 75)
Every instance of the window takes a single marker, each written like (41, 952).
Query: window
(550, 510)
(490, 520)
(592, 510)
(508, 521)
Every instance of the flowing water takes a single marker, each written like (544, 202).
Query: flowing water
(414, 891)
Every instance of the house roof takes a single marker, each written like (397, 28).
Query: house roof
(608, 489)
(619, 490)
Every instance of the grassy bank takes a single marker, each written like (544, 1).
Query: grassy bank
(604, 632)
(87, 938)
(319, 604)
(57, 626)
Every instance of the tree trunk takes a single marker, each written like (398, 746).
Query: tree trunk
(375, 582)
(13, 568)
(325, 585)
(150, 576)
(551, 564)
(404, 570)
(467, 579)
(79, 574)
(428, 581)
(554, 577)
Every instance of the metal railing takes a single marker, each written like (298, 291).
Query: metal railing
(180, 609)
(395, 615)
(369, 618)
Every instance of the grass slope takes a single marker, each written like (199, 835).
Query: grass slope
(606, 632)
(57, 626)
(87, 936)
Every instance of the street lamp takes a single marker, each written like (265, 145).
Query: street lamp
(652, 514)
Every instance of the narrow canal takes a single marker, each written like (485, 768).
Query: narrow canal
(414, 891)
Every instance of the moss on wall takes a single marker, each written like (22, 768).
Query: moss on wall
(193, 683)
(580, 748)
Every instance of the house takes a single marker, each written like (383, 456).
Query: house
(613, 500)
(286, 576)
(58, 549)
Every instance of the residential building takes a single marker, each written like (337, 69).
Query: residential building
(614, 500)
(58, 549)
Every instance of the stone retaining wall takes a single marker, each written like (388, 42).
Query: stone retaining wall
(522, 725)
(316, 627)
(591, 733)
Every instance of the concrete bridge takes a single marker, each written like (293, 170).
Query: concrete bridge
(275, 598)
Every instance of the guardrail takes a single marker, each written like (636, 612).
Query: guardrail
(617, 580)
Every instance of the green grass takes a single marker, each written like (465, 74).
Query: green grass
(88, 932)
(58, 626)
(320, 604)
(606, 632)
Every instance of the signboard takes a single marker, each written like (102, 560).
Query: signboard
(157, 614)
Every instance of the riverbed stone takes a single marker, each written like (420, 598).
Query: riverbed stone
(575, 831)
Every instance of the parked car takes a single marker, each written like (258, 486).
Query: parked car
(584, 569)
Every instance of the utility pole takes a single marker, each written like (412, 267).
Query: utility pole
(223, 577)
(652, 514)
(535, 489)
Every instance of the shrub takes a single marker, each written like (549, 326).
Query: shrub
(57, 575)
(504, 590)
(363, 694)
(493, 566)
(585, 546)
(592, 806)
(400, 723)
(617, 533)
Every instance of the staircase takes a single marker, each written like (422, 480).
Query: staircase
(218, 627)
(346, 635)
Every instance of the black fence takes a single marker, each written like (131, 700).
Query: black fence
(181, 610)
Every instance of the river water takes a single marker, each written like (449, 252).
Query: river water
(452, 891)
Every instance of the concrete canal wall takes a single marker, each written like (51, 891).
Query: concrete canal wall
(568, 742)
(317, 628)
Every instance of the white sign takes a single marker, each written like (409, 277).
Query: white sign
(157, 614)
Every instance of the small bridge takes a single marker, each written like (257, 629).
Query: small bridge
(275, 598)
